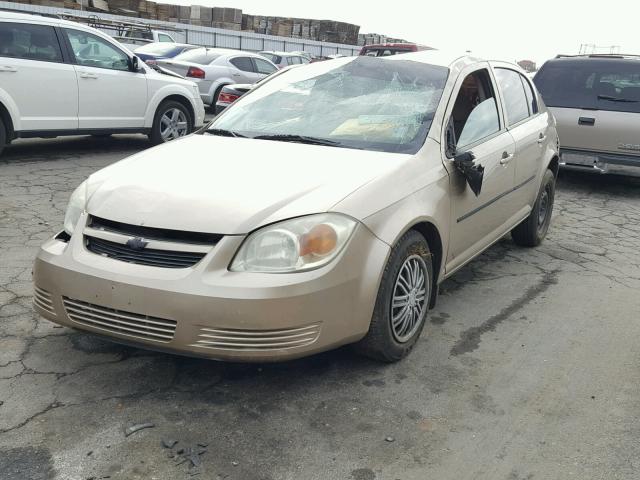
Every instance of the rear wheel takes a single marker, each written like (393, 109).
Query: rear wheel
(3, 135)
(402, 302)
(172, 121)
(533, 229)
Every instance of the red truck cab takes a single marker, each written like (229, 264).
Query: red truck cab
(386, 49)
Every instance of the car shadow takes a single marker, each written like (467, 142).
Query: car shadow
(586, 183)
(46, 149)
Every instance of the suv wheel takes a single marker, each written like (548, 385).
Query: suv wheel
(533, 229)
(402, 302)
(172, 121)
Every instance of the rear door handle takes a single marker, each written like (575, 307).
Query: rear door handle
(586, 121)
(8, 68)
(88, 75)
(506, 158)
(541, 138)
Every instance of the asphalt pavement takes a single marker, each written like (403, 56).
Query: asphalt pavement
(528, 368)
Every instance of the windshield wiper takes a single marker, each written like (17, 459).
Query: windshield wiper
(299, 139)
(616, 99)
(223, 133)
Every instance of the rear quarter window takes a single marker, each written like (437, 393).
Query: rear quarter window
(29, 42)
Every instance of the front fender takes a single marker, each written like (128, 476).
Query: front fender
(161, 94)
(12, 108)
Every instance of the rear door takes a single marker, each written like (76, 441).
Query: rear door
(35, 78)
(528, 128)
(596, 103)
(111, 96)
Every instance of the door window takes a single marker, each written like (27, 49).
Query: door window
(513, 94)
(163, 37)
(29, 42)
(92, 51)
(242, 63)
(262, 66)
(475, 112)
(531, 96)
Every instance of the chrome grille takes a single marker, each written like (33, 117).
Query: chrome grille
(147, 256)
(42, 299)
(232, 339)
(119, 321)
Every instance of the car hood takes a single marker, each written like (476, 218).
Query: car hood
(223, 185)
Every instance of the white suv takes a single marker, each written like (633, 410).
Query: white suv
(63, 78)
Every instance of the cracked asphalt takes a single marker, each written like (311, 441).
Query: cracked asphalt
(528, 369)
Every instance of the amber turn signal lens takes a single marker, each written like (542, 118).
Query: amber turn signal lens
(320, 240)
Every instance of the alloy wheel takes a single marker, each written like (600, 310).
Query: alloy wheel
(408, 304)
(173, 124)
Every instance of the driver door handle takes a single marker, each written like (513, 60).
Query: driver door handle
(506, 158)
(8, 68)
(88, 75)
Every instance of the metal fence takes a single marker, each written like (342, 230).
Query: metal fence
(209, 36)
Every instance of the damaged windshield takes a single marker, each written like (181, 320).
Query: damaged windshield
(366, 103)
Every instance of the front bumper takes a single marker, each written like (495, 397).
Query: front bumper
(600, 162)
(207, 310)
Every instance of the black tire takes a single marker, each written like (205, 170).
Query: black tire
(156, 136)
(533, 229)
(382, 342)
(3, 135)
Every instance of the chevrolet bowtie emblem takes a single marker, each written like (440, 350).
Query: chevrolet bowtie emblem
(137, 243)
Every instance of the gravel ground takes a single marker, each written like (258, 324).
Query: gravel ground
(528, 368)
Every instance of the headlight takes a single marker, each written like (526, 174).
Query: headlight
(294, 245)
(77, 204)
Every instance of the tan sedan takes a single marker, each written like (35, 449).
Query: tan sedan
(323, 208)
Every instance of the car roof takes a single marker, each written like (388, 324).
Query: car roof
(229, 51)
(441, 58)
(171, 43)
(283, 54)
(597, 56)
(38, 18)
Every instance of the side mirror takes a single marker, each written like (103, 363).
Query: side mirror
(134, 64)
(464, 163)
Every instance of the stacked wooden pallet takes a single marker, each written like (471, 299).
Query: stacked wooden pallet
(325, 30)
(225, 18)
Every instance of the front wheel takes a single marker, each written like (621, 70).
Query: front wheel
(533, 229)
(172, 121)
(402, 302)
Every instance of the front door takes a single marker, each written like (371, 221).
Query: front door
(111, 96)
(475, 124)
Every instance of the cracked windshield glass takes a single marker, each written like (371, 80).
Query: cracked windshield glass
(360, 102)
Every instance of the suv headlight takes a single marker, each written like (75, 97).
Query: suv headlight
(77, 204)
(294, 245)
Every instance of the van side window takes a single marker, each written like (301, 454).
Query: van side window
(29, 42)
(475, 112)
(515, 100)
(162, 37)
